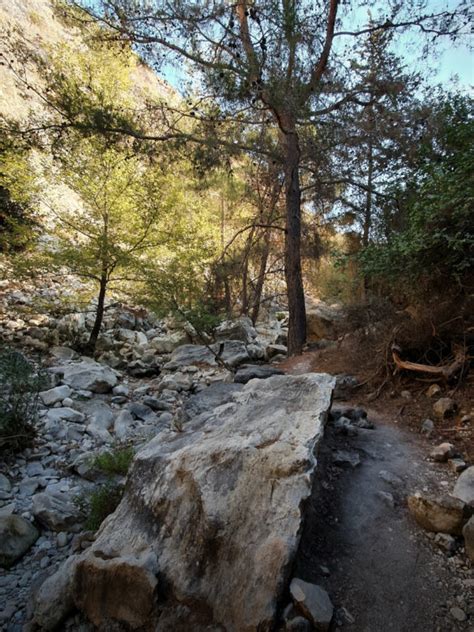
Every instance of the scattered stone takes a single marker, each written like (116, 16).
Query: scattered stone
(123, 424)
(457, 465)
(343, 458)
(444, 407)
(313, 602)
(274, 350)
(391, 479)
(5, 485)
(446, 542)
(387, 498)
(427, 427)
(54, 395)
(17, 535)
(458, 614)
(90, 376)
(442, 452)
(464, 488)
(68, 414)
(240, 329)
(55, 510)
(298, 624)
(141, 411)
(433, 390)
(246, 373)
(406, 394)
(345, 385)
(53, 600)
(344, 426)
(444, 514)
(468, 533)
(120, 389)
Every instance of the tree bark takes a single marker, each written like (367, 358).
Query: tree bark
(99, 316)
(293, 272)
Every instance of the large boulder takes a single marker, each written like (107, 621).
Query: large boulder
(16, 537)
(217, 504)
(89, 376)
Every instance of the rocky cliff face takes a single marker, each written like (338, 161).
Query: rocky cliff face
(36, 25)
(210, 522)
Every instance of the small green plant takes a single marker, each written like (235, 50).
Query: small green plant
(99, 504)
(20, 384)
(116, 461)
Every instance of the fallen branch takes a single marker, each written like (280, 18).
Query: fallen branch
(445, 371)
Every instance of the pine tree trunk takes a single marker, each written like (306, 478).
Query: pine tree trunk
(293, 272)
(99, 316)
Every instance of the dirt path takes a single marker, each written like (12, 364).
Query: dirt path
(361, 544)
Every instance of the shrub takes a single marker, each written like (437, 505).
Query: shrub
(100, 503)
(20, 384)
(116, 461)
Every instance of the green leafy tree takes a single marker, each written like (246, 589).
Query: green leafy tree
(104, 219)
(437, 242)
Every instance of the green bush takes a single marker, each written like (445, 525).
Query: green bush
(436, 244)
(20, 384)
(99, 504)
(116, 461)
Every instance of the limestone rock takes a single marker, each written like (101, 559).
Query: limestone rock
(468, 533)
(273, 350)
(169, 342)
(441, 515)
(247, 373)
(68, 414)
(90, 376)
(217, 503)
(240, 329)
(192, 354)
(55, 510)
(233, 352)
(313, 602)
(16, 537)
(53, 600)
(54, 395)
(464, 488)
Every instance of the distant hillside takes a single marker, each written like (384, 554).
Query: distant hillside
(35, 23)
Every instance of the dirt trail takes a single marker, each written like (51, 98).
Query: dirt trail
(381, 567)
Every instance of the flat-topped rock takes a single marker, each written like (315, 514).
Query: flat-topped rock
(214, 504)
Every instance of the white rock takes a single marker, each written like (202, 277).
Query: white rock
(233, 483)
(56, 394)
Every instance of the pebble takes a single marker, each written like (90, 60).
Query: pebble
(458, 614)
